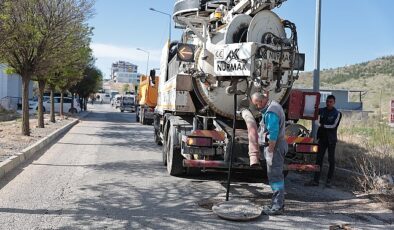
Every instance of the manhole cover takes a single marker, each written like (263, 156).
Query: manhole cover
(237, 210)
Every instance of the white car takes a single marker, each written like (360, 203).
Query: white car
(116, 101)
(103, 98)
(66, 105)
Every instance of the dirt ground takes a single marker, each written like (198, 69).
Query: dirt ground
(11, 140)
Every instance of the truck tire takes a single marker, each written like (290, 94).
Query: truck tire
(73, 110)
(143, 119)
(164, 150)
(157, 137)
(137, 115)
(174, 157)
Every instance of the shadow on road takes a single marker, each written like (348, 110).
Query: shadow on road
(138, 194)
(162, 202)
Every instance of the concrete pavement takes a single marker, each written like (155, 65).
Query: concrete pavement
(107, 173)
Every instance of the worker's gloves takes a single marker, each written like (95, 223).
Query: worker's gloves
(268, 156)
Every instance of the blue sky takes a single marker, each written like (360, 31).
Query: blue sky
(353, 31)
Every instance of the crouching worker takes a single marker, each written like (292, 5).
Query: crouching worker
(274, 153)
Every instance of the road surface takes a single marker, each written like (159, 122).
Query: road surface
(106, 173)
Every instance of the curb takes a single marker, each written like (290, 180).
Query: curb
(40, 146)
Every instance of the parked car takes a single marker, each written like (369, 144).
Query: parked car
(127, 103)
(116, 101)
(33, 103)
(103, 98)
(66, 105)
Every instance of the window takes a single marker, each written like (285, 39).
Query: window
(324, 96)
(67, 100)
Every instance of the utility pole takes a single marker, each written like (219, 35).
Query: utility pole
(147, 63)
(169, 24)
(316, 70)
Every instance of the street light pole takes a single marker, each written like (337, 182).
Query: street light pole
(316, 70)
(169, 24)
(147, 64)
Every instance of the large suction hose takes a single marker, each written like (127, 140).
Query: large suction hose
(254, 150)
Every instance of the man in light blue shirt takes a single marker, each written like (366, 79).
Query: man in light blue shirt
(274, 153)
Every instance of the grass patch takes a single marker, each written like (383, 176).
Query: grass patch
(367, 147)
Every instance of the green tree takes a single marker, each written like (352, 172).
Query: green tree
(35, 36)
(73, 72)
(69, 69)
(90, 83)
(126, 88)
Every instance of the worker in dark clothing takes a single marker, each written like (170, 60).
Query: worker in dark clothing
(329, 121)
(274, 153)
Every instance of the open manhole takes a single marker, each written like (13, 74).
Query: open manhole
(237, 210)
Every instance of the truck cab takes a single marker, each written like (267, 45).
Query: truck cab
(127, 103)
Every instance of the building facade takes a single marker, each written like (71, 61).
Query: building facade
(343, 101)
(127, 77)
(11, 89)
(122, 70)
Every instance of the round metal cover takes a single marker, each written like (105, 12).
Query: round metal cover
(237, 29)
(237, 210)
(263, 22)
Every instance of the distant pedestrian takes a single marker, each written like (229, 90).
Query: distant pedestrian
(274, 153)
(329, 121)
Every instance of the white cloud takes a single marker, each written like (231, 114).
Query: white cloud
(101, 50)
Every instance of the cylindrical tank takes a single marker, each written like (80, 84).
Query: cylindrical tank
(213, 90)
(240, 28)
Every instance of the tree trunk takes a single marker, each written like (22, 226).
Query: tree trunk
(25, 106)
(85, 102)
(61, 104)
(72, 100)
(41, 88)
(53, 120)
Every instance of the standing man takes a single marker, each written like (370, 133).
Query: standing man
(274, 152)
(327, 136)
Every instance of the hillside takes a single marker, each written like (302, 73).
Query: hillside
(375, 77)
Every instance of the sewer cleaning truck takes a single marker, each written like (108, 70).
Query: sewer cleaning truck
(229, 50)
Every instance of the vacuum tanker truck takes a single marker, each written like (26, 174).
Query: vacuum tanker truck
(229, 50)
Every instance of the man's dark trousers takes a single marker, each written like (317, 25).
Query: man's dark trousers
(323, 146)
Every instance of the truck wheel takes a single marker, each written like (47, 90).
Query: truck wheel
(143, 119)
(121, 111)
(174, 157)
(164, 150)
(137, 115)
(157, 137)
(73, 110)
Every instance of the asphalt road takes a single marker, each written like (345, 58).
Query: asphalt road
(107, 173)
